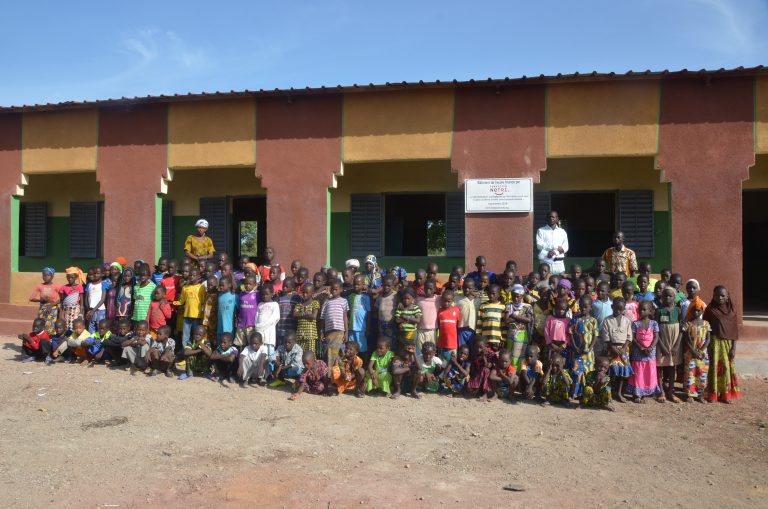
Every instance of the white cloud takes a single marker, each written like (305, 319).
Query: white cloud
(733, 28)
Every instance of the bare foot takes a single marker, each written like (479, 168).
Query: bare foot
(394, 395)
(620, 398)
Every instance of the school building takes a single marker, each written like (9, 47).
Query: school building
(677, 160)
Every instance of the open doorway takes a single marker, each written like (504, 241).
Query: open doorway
(755, 224)
(249, 226)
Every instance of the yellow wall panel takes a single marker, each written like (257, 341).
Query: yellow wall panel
(393, 177)
(58, 190)
(59, 141)
(758, 174)
(761, 98)
(605, 173)
(404, 125)
(600, 119)
(212, 134)
(188, 186)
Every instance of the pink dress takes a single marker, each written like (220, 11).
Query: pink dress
(643, 381)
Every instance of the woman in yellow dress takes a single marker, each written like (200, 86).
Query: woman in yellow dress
(199, 247)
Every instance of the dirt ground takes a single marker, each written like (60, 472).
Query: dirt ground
(72, 436)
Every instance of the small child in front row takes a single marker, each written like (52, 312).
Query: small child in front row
(557, 382)
(431, 366)
(379, 376)
(161, 354)
(617, 336)
(483, 359)
(456, 374)
(224, 359)
(196, 360)
(531, 373)
(645, 333)
(287, 363)
(348, 372)
(96, 351)
(503, 377)
(314, 378)
(597, 386)
(37, 344)
(253, 361)
(406, 371)
(59, 336)
(136, 347)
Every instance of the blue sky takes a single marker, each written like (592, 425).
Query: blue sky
(54, 51)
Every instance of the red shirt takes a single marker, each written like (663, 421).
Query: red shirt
(35, 339)
(169, 283)
(448, 321)
(158, 314)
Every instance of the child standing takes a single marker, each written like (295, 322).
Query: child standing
(531, 373)
(72, 295)
(483, 359)
(617, 335)
(125, 295)
(632, 306)
(379, 376)
(385, 305)
(305, 313)
(519, 317)
(645, 332)
(579, 354)
(210, 313)
(467, 304)
(556, 330)
(669, 354)
(226, 307)
(448, 320)
(248, 309)
(142, 296)
(47, 295)
(429, 304)
(602, 308)
(95, 295)
(645, 293)
(191, 304)
(722, 382)
(359, 314)
(489, 318)
(159, 310)
(266, 320)
(334, 316)
(697, 338)
(407, 316)
(287, 303)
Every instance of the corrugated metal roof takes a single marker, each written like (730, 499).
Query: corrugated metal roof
(497, 82)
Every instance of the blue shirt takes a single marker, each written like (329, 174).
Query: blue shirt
(649, 295)
(475, 276)
(226, 312)
(157, 277)
(601, 310)
(359, 307)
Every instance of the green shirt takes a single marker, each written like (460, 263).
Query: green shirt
(142, 297)
(409, 312)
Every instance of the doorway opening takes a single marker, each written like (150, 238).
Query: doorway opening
(249, 227)
(755, 225)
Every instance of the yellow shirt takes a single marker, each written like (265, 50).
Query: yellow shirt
(192, 299)
(199, 246)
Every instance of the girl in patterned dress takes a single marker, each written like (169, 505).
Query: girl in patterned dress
(645, 332)
(47, 295)
(579, 354)
(696, 358)
(669, 348)
(722, 382)
(72, 295)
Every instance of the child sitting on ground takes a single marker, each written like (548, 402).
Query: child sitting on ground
(37, 344)
(456, 374)
(136, 347)
(406, 371)
(503, 377)
(161, 356)
(75, 344)
(431, 367)
(60, 335)
(313, 379)
(597, 386)
(483, 359)
(379, 376)
(96, 351)
(287, 363)
(253, 361)
(531, 373)
(113, 344)
(348, 372)
(224, 359)
(196, 360)
(557, 382)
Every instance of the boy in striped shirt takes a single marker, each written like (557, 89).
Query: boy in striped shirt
(407, 316)
(335, 322)
(490, 319)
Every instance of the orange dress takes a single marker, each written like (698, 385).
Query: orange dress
(343, 369)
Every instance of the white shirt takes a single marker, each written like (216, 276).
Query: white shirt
(550, 239)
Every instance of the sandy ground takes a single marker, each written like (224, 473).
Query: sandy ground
(72, 436)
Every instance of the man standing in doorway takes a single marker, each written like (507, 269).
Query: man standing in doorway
(552, 243)
(620, 258)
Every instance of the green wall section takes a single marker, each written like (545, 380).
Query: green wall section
(662, 257)
(182, 226)
(58, 250)
(15, 224)
(341, 249)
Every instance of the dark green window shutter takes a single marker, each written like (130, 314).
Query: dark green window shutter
(216, 212)
(166, 235)
(636, 220)
(542, 204)
(34, 218)
(365, 224)
(454, 224)
(84, 229)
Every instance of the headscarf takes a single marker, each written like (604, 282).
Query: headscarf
(78, 272)
(518, 289)
(400, 272)
(722, 318)
(352, 262)
(49, 270)
(118, 265)
(201, 222)
(372, 278)
(565, 283)
(696, 303)
(121, 260)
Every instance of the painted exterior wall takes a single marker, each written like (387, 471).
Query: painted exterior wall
(60, 141)
(398, 125)
(599, 119)
(758, 174)
(761, 115)
(212, 134)
(10, 177)
(706, 145)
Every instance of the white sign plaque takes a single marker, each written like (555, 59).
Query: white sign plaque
(498, 195)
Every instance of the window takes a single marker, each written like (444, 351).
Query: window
(248, 233)
(407, 224)
(33, 229)
(85, 225)
(591, 218)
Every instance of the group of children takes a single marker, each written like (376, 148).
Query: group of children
(591, 337)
